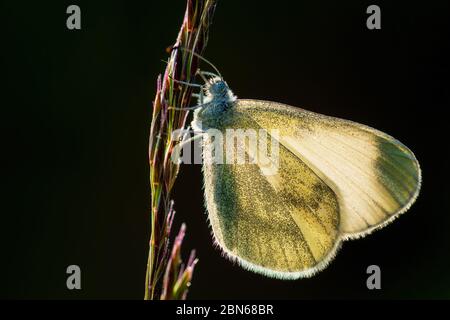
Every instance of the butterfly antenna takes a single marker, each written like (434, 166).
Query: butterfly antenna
(201, 58)
(186, 83)
(202, 75)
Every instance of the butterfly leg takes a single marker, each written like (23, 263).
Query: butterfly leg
(183, 134)
(199, 96)
(190, 84)
(191, 108)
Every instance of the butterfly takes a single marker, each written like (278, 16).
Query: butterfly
(335, 180)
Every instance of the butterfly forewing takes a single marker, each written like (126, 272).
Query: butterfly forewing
(373, 176)
(282, 223)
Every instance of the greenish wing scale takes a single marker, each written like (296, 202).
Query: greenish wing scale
(374, 176)
(284, 225)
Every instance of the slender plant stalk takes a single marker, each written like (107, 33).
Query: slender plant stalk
(166, 274)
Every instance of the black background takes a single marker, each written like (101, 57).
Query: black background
(76, 108)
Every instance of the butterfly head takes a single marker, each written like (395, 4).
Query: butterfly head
(217, 89)
(215, 100)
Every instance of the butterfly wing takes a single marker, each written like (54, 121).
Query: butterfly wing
(374, 177)
(283, 224)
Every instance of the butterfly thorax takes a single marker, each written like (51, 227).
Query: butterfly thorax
(217, 101)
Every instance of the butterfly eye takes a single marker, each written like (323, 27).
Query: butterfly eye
(217, 87)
